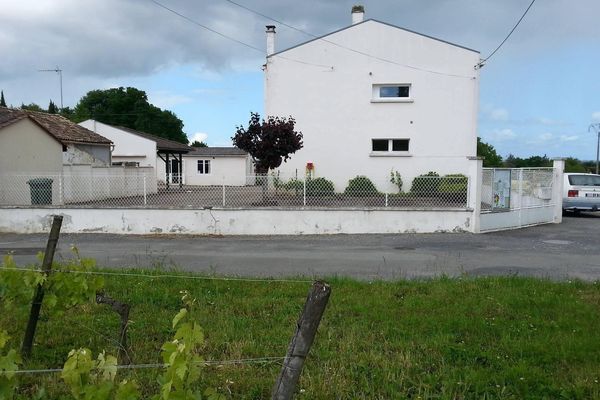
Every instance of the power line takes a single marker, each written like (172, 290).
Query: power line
(206, 27)
(481, 63)
(229, 37)
(302, 31)
(340, 45)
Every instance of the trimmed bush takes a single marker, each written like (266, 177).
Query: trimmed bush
(426, 185)
(319, 187)
(360, 186)
(454, 183)
(294, 184)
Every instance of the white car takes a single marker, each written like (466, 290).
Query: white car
(581, 192)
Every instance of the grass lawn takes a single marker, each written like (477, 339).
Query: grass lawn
(492, 338)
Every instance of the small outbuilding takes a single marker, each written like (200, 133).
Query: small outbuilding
(37, 142)
(136, 148)
(216, 166)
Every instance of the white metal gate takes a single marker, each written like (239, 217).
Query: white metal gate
(518, 197)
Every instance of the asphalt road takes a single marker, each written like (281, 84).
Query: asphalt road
(556, 251)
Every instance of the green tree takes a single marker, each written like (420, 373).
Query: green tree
(530, 162)
(129, 107)
(52, 108)
(490, 157)
(269, 142)
(196, 143)
(32, 107)
(67, 112)
(2, 101)
(574, 165)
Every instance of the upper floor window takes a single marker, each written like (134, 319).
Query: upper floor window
(204, 166)
(400, 93)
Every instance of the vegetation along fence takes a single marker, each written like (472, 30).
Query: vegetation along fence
(133, 334)
(428, 191)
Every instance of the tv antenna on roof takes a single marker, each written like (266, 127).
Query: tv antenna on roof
(59, 72)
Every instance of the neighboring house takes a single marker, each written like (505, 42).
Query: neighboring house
(36, 142)
(216, 166)
(135, 148)
(373, 97)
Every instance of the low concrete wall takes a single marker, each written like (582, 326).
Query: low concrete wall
(513, 219)
(236, 221)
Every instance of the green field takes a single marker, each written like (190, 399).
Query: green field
(492, 338)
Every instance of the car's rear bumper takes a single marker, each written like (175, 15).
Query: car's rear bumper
(577, 204)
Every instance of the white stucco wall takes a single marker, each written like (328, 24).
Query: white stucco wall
(224, 170)
(26, 148)
(332, 103)
(95, 155)
(26, 152)
(127, 146)
(236, 222)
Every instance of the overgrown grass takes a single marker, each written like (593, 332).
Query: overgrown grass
(493, 338)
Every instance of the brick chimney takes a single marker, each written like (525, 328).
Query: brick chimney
(270, 39)
(358, 14)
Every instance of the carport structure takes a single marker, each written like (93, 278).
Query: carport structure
(170, 152)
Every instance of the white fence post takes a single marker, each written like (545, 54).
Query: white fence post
(557, 188)
(223, 191)
(521, 171)
(386, 199)
(475, 187)
(145, 198)
(305, 191)
(60, 189)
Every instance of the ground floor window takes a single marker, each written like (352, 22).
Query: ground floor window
(389, 145)
(204, 166)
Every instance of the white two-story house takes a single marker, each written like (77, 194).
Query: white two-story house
(373, 97)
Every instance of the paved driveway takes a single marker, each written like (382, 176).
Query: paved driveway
(570, 249)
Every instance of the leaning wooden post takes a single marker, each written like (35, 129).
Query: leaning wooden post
(123, 310)
(306, 329)
(38, 297)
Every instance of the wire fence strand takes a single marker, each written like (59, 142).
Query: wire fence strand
(158, 276)
(241, 361)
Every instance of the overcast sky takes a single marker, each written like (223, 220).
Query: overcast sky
(538, 94)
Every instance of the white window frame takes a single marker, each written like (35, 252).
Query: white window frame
(376, 98)
(390, 152)
(204, 162)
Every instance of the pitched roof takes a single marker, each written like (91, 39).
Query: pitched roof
(60, 128)
(372, 20)
(217, 151)
(162, 144)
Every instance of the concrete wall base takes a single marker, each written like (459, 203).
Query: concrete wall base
(236, 222)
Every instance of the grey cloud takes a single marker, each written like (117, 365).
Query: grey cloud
(115, 38)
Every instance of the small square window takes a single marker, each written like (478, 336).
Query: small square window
(204, 167)
(381, 144)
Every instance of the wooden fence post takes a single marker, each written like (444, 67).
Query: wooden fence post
(306, 329)
(38, 297)
(123, 310)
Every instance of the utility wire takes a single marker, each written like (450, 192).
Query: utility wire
(329, 67)
(482, 63)
(340, 45)
(206, 27)
(230, 37)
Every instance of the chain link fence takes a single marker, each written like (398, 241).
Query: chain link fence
(143, 191)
